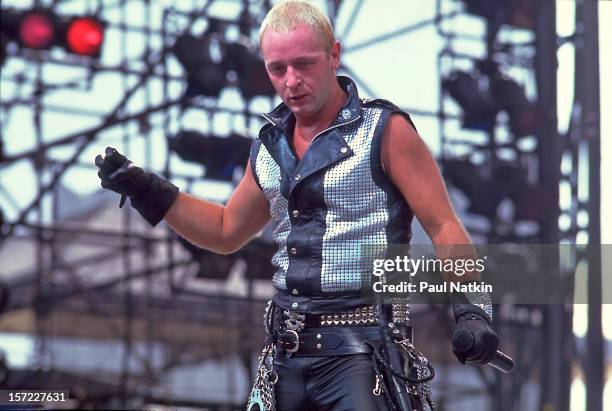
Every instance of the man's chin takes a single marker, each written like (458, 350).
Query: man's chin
(300, 110)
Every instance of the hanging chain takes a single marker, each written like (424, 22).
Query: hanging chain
(262, 394)
(424, 373)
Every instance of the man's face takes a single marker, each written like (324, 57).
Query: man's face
(300, 69)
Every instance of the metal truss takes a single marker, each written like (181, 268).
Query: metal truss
(117, 282)
(581, 172)
(147, 293)
(541, 337)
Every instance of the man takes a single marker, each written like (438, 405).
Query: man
(333, 172)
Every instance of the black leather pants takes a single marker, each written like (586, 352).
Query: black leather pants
(333, 383)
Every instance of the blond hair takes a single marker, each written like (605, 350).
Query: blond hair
(286, 16)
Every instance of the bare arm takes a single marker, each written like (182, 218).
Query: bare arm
(412, 169)
(222, 229)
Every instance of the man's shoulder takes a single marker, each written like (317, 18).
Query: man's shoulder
(379, 102)
(387, 105)
(265, 129)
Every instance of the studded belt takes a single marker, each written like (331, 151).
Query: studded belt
(363, 316)
(338, 333)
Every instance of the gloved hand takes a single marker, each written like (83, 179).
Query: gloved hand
(151, 195)
(485, 341)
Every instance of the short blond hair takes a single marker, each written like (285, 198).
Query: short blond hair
(286, 16)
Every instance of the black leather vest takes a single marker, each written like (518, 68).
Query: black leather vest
(330, 204)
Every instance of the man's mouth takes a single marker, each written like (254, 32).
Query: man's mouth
(297, 98)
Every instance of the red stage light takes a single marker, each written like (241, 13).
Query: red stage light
(85, 36)
(36, 30)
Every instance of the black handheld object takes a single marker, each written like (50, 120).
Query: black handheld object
(463, 341)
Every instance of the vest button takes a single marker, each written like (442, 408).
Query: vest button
(295, 291)
(294, 306)
(297, 176)
(319, 346)
(293, 251)
(295, 213)
(343, 150)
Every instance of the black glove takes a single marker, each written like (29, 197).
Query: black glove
(483, 346)
(151, 195)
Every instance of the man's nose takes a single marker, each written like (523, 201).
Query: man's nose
(292, 80)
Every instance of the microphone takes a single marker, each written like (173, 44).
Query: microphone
(463, 341)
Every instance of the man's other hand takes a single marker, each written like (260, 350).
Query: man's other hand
(485, 342)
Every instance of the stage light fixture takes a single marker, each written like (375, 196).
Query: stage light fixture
(252, 76)
(521, 13)
(204, 76)
(517, 13)
(510, 97)
(85, 36)
(479, 112)
(483, 8)
(212, 265)
(41, 29)
(37, 30)
(220, 155)
(5, 293)
(3, 46)
(258, 255)
(485, 193)
(529, 200)
(207, 77)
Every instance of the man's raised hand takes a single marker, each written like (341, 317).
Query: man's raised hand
(151, 195)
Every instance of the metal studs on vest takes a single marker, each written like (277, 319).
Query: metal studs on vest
(346, 114)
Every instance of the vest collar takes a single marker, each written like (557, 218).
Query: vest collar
(323, 152)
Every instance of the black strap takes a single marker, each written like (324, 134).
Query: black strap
(380, 358)
(326, 341)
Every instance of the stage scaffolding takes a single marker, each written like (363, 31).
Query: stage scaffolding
(101, 274)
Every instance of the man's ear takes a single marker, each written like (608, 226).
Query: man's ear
(335, 54)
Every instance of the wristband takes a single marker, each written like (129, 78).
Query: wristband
(479, 300)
